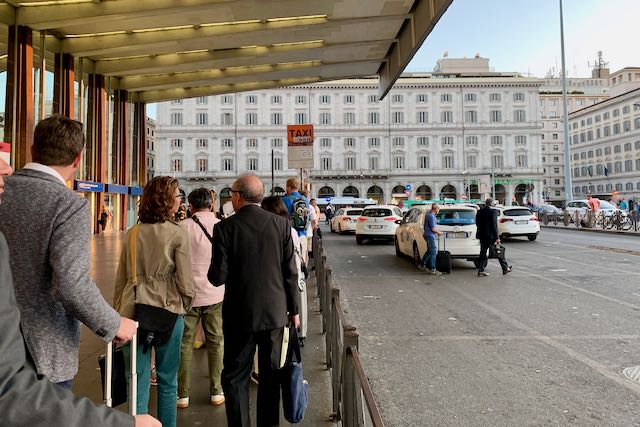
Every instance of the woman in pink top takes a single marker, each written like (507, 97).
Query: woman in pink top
(207, 305)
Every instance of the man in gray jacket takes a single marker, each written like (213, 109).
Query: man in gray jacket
(47, 227)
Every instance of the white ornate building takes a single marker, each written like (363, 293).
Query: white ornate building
(437, 132)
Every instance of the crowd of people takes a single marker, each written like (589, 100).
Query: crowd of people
(242, 278)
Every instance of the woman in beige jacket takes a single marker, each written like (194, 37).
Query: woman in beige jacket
(162, 278)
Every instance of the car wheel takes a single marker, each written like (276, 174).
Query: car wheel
(359, 240)
(416, 254)
(532, 237)
(398, 251)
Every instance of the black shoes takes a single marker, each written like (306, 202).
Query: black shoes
(508, 270)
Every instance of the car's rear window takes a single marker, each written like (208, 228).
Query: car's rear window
(376, 213)
(354, 212)
(456, 217)
(517, 212)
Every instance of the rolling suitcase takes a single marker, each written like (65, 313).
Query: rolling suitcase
(443, 258)
(113, 362)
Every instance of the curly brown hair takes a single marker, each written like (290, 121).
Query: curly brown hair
(157, 200)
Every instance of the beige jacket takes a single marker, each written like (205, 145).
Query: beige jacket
(164, 277)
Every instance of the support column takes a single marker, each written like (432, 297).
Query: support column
(120, 159)
(96, 140)
(63, 85)
(19, 112)
(139, 146)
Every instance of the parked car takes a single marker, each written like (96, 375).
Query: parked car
(548, 209)
(582, 206)
(457, 222)
(377, 222)
(345, 220)
(515, 221)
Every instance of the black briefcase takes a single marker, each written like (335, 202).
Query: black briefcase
(497, 251)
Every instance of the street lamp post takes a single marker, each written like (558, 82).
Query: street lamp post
(568, 184)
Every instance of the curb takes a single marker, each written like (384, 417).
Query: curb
(591, 230)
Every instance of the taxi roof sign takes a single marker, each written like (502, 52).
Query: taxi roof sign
(300, 135)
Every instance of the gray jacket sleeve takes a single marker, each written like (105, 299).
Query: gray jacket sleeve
(27, 399)
(72, 282)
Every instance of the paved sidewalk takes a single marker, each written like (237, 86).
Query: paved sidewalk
(591, 230)
(105, 251)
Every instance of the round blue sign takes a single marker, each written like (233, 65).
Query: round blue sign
(407, 187)
(328, 199)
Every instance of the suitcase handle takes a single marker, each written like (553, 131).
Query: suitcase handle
(444, 241)
(133, 375)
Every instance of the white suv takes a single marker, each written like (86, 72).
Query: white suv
(377, 222)
(517, 221)
(582, 206)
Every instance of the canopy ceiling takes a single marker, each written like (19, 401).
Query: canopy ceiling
(163, 49)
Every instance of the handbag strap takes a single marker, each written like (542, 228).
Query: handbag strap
(197, 221)
(294, 345)
(133, 248)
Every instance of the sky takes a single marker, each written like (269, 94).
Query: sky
(524, 36)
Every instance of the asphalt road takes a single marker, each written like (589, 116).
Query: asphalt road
(544, 345)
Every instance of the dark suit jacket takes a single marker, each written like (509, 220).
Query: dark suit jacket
(487, 223)
(26, 398)
(253, 257)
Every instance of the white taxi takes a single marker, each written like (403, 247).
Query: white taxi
(345, 220)
(377, 222)
(457, 222)
(517, 221)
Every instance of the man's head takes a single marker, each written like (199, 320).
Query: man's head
(435, 208)
(293, 185)
(489, 202)
(58, 141)
(5, 170)
(200, 200)
(313, 202)
(246, 190)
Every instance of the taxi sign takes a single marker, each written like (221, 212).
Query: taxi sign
(298, 135)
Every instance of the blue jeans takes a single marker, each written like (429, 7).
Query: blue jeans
(167, 363)
(429, 258)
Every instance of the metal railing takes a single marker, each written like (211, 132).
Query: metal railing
(602, 220)
(350, 387)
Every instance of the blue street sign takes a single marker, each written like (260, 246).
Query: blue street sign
(407, 187)
(328, 199)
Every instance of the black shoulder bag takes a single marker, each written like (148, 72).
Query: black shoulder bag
(197, 221)
(155, 324)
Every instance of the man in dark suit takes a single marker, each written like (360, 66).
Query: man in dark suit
(253, 256)
(487, 223)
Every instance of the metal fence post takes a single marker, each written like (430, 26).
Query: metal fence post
(351, 400)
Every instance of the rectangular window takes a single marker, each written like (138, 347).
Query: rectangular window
(554, 136)
(176, 118)
(494, 97)
(617, 149)
(349, 118)
(276, 118)
(325, 99)
(447, 161)
(177, 101)
(421, 98)
(626, 125)
(350, 162)
(521, 140)
(445, 97)
(470, 97)
(447, 141)
(518, 97)
(447, 116)
(521, 161)
(471, 116)
(276, 99)
(472, 141)
(227, 164)
(372, 99)
(202, 143)
(227, 99)
(301, 118)
(252, 164)
(397, 98)
(495, 116)
(177, 165)
(252, 118)
(252, 142)
(373, 163)
(616, 112)
(202, 119)
(203, 165)
(176, 143)
(556, 170)
(497, 161)
(201, 100)
(226, 119)
(325, 142)
(556, 159)
(374, 142)
(519, 116)
(628, 165)
(325, 163)
(423, 141)
(398, 161)
(472, 161)
(349, 99)
(227, 143)
(301, 99)
(325, 118)
(251, 99)
(374, 118)
(423, 117)
(277, 163)
(617, 166)
(349, 142)
(496, 140)
(276, 143)
(398, 141)
(397, 117)
(606, 130)
(423, 161)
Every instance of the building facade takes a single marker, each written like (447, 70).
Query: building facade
(150, 130)
(434, 136)
(605, 148)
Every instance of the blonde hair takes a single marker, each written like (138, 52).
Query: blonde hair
(293, 183)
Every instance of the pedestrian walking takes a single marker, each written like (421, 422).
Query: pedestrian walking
(428, 262)
(300, 213)
(487, 233)
(328, 213)
(207, 304)
(253, 256)
(154, 280)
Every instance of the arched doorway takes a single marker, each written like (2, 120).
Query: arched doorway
(474, 192)
(375, 193)
(351, 191)
(278, 191)
(225, 195)
(326, 192)
(398, 189)
(424, 193)
(448, 192)
(523, 192)
(500, 193)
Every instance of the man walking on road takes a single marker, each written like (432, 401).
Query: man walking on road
(253, 256)
(428, 262)
(487, 223)
(48, 227)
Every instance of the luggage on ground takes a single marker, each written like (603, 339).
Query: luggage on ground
(443, 258)
(114, 382)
